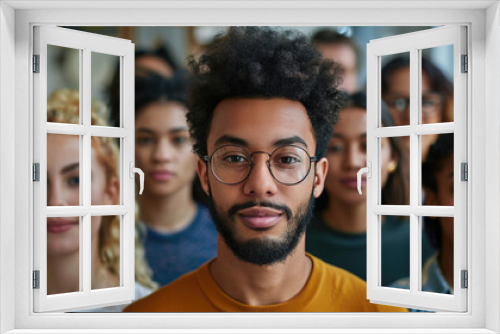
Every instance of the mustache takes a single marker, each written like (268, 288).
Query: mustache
(237, 207)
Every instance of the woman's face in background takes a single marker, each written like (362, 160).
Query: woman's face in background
(63, 189)
(163, 148)
(444, 196)
(397, 98)
(347, 155)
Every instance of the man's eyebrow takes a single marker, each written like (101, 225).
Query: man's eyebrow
(290, 141)
(230, 140)
(70, 167)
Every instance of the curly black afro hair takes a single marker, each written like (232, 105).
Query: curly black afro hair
(263, 62)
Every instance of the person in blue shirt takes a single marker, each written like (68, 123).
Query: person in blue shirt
(174, 224)
(338, 232)
(438, 182)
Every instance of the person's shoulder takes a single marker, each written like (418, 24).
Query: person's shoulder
(349, 290)
(168, 298)
(333, 271)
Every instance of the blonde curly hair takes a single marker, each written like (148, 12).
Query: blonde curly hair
(63, 106)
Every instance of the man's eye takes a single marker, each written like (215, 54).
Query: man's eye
(288, 160)
(235, 159)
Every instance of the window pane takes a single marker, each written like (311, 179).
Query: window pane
(437, 271)
(63, 170)
(395, 170)
(105, 169)
(105, 235)
(395, 90)
(437, 85)
(63, 255)
(395, 240)
(438, 170)
(63, 76)
(105, 78)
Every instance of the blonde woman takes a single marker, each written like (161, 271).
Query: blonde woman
(63, 189)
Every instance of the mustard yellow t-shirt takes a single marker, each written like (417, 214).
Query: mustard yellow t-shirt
(329, 289)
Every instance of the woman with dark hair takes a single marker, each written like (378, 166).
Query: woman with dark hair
(438, 183)
(338, 232)
(159, 61)
(437, 96)
(178, 233)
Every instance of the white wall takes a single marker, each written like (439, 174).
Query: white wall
(492, 164)
(7, 157)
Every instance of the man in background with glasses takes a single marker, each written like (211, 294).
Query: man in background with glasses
(263, 105)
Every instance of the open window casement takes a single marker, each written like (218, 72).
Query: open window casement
(81, 132)
(414, 45)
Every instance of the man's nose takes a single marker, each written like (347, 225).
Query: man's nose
(260, 182)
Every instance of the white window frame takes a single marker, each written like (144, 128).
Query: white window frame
(85, 44)
(16, 22)
(413, 44)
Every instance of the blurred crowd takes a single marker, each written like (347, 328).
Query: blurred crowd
(175, 232)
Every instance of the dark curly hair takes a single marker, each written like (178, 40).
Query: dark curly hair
(441, 150)
(152, 87)
(263, 62)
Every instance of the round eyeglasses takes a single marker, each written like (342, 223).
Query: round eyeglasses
(232, 164)
(431, 103)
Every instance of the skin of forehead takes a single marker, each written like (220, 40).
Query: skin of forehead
(399, 82)
(261, 120)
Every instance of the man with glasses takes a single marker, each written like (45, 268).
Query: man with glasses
(436, 104)
(263, 105)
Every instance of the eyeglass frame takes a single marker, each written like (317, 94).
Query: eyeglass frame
(208, 159)
(407, 102)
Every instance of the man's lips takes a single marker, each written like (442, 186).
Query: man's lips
(60, 225)
(260, 217)
(161, 175)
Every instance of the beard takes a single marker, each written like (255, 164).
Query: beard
(262, 251)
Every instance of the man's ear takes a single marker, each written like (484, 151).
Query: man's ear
(320, 170)
(202, 174)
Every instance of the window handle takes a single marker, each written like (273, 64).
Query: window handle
(368, 171)
(133, 170)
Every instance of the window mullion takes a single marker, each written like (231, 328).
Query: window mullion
(414, 164)
(85, 227)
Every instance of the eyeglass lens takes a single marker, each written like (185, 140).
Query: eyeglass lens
(431, 104)
(233, 164)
